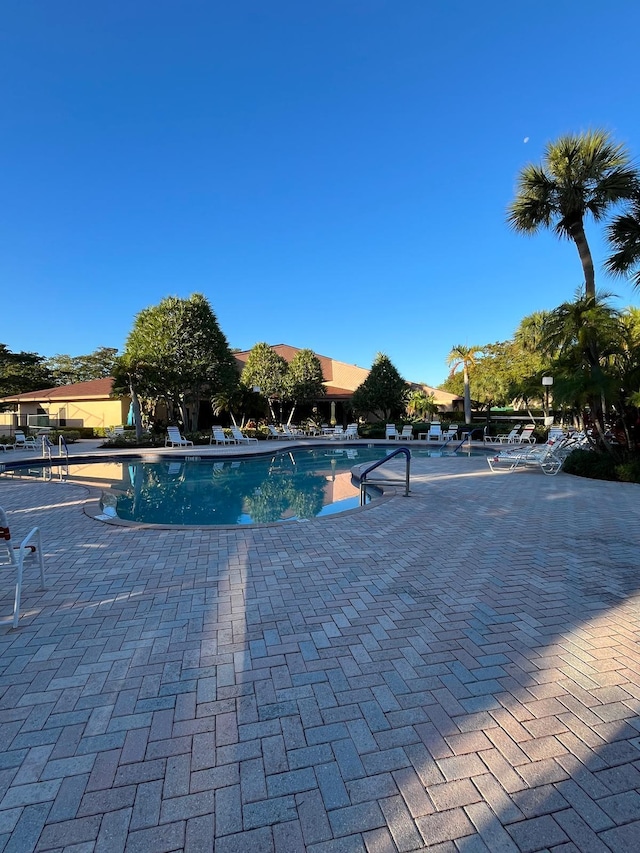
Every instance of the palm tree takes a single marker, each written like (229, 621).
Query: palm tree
(580, 174)
(422, 404)
(585, 338)
(465, 357)
(624, 235)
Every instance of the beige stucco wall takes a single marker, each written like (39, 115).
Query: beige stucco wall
(77, 413)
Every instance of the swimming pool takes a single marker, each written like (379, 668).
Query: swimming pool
(286, 485)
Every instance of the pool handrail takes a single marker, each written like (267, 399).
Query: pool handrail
(374, 465)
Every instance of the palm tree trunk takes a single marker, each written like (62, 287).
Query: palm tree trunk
(580, 239)
(467, 394)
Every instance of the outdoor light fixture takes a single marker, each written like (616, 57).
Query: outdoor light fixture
(547, 382)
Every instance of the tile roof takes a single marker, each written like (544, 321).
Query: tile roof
(94, 388)
(340, 379)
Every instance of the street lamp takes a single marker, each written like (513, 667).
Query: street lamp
(547, 382)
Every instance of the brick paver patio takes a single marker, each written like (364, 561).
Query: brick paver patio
(454, 671)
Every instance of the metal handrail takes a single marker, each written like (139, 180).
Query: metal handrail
(468, 436)
(374, 465)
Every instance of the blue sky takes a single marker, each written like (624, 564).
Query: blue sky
(331, 174)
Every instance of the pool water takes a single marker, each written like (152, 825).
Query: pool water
(286, 485)
(290, 485)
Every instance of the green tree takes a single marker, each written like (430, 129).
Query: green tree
(422, 405)
(585, 338)
(67, 370)
(623, 235)
(304, 382)
(581, 175)
(180, 355)
(241, 401)
(266, 370)
(464, 357)
(383, 393)
(21, 372)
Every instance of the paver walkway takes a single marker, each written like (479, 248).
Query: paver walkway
(454, 671)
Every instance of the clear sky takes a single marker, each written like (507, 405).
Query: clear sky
(331, 174)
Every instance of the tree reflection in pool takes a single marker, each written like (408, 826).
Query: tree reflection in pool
(290, 485)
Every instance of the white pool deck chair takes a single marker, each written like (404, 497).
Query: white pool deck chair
(274, 433)
(548, 457)
(25, 442)
(14, 557)
(391, 431)
(218, 436)
(503, 437)
(407, 433)
(241, 438)
(435, 432)
(175, 439)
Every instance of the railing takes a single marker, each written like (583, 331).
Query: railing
(469, 436)
(363, 476)
(63, 451)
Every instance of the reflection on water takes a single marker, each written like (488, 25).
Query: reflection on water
(291, 485)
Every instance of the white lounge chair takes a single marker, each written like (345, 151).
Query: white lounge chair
(351, 431)
(391, 431)
(503, 437)
(174, 439)
(274, 433)
(450, 433)
(549, 457)
(407, 433)
(10, 445)
(526, 436)
(290, 432)
(241, 438)
(24, 442)
(218, 436)
(435, 432)
(15, 556)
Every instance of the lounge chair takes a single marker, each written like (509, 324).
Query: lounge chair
(549, 457)
(407, 433)
(450, 433)
(15, 556)
(273, 433)
(435, 432)
(290, 432)
(503, 437)
(25, 442)
(351, 431)
(241, 438)
(9, 445)
(391, 431)
(526, 436)
(218, 436)
(174, 439)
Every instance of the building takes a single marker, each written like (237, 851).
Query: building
(85, 404)
(90, 404)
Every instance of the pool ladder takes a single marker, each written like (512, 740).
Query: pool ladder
(63, 452)
(365, 480)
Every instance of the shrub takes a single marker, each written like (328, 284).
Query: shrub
(70, 435)
(603, 466)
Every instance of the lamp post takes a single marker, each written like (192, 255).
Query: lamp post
(547, 382)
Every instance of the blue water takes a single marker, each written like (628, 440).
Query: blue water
(290, 485)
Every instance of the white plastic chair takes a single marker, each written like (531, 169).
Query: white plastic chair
(240, 438)
(435, 432)
(174, 439)
(407, 433)
(218, 437)
(391, 431)
(25, 442)
(14, 556)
